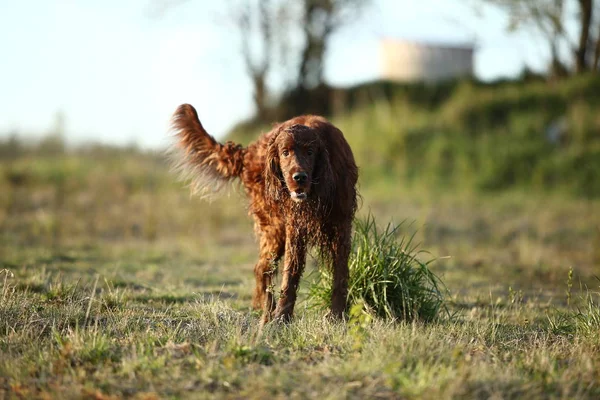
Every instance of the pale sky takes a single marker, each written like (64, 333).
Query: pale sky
(117, 71)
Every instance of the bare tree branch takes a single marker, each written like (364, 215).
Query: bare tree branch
(550, 19)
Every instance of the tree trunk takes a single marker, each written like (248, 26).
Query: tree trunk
(308, 58)
(597, 52)
(557, 68)
(260, 95)
(317, 27)
(258, 69)
(585, 19)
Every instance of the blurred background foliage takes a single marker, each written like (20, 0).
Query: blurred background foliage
(473, 136)
(536, 134)
(457, 138)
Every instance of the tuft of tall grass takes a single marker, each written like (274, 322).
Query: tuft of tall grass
(587, 318)
(387, 276)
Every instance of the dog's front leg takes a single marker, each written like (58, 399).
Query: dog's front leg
(295, 258)
(339, 292)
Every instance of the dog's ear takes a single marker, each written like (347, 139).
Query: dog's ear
(323, 180)
(272, 174)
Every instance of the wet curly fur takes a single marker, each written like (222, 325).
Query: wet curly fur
(301, 181)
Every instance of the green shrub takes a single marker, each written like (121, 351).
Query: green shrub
(473, 136)
(387, 275)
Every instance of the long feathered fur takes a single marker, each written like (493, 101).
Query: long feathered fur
(285, 228)
(199, 158)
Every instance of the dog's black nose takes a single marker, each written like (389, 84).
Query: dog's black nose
(300, 177)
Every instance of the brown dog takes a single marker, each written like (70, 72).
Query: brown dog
(301, 181)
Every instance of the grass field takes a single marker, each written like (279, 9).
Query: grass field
(115, 283)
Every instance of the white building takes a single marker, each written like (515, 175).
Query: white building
(408, 61)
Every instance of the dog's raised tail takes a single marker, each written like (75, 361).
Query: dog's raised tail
(198, 157)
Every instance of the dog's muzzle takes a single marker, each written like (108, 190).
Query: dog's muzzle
(298, 196)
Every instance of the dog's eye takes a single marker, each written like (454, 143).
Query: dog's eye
(309, 152)
(285, 153)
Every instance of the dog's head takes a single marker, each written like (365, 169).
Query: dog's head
(297, 164)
